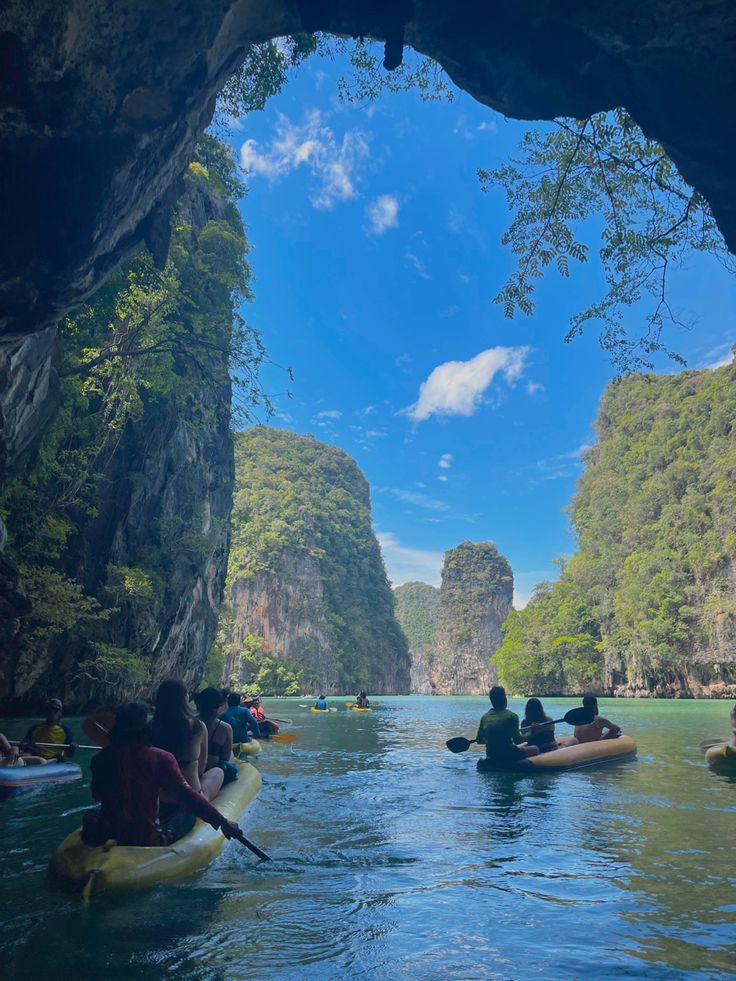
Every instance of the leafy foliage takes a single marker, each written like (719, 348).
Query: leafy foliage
(603, 170)
(302, 504)
(417, 610)
(143, 348)
(649, 594)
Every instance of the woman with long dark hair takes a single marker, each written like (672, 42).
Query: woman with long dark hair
(542, 734)
(210, 703)
(176, 729)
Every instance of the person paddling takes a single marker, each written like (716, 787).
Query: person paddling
(321, 703)
(10, 755)
(361, 701)
(52, 730)
(542, 734)
(128, 778)
(241, 719)
(253, 704)
(599, 728)
(499, 731)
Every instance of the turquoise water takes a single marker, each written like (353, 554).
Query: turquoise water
(395, 859)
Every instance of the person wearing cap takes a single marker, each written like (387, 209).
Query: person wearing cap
(52, 730)
(128, 777)
(253, 704)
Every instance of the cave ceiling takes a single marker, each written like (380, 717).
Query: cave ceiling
(101, 104)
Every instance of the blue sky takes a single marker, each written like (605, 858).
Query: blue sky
(376, 257)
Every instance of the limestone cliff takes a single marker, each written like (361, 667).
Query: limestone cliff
(453, 631)
(646, 605)
(118, 540)
(417, 610)
(305, 572)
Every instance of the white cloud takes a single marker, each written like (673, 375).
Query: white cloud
(329, 414)
(456, 388)
(718, 357)
(443, 477)
(312, 144)
(487, 126)
(382, 213)
(404, 564)
(562, 465)
(533, 387)
(417, 498)
(419, 266)
(375, 434)
(445, 461)
(367, 411)
(454, 220)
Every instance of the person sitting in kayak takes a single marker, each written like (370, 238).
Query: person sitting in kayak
(499, 731)
(210, 703)
(240, 719)
(321, 703)
(361, 701)
(10, 755)
(127, 779)
(52, 730)
(253, 704)
(599, 728)
(542, 729)
(176, 729)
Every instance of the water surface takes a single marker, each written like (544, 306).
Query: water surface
(395, 859)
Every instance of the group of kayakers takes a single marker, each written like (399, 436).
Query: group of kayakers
(499, 729)
(156, 777)
(361, 701)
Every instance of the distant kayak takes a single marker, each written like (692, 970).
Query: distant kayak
(354, 708)
(569, 757)
(13, 779)
(313, 709)
(722, 758)
(94, 869)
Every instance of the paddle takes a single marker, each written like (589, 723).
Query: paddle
(285, 722)
(18, 742)
(575, 717)
(285, 738)
(254, 848)
(708, 743)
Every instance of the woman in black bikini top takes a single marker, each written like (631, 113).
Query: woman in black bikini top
(176, 729)
(210, 703)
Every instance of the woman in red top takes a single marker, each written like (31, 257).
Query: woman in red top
(127, 778)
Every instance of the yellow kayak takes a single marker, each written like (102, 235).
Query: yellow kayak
(354, 708)
(111, 868)
(313, 709)
(251, 748)
(722, 758)
(570, 757)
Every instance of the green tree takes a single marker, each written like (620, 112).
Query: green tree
(602, 176)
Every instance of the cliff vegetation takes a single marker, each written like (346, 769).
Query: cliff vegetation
(120, 528)
(305, 573)
(646, 605)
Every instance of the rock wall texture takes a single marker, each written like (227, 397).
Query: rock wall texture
(161, 518)
(305, 571)
(475, 599)
(117, 94)
(418, 610)
(453, 631)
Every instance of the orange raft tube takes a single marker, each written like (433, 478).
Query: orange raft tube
(569, 757)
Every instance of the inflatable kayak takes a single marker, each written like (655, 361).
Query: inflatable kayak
(722, 759)
(354, 708)
(570, 757)
(251, 748)
(16, 778)
(313, 709)
(111, 868)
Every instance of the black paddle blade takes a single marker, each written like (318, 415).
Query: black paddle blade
(459, 744)
(579, 717)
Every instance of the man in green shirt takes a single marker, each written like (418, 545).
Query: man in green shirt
(499, 731)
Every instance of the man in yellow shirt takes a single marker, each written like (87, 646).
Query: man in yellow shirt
(51, 731)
